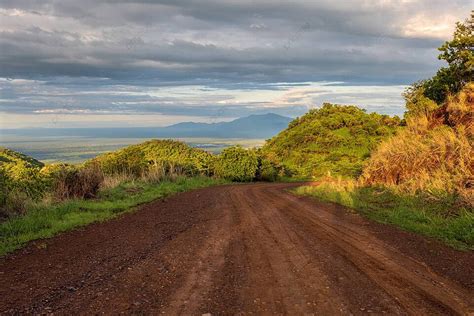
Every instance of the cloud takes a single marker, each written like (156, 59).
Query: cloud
(109, 55)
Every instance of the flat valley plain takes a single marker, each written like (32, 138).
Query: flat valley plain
(76, 149)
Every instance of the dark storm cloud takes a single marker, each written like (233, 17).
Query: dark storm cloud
(268, 40)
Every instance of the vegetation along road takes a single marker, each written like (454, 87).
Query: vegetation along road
(238, 248)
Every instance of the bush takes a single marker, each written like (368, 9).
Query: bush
(66, 181)
(237, 164)
(3, 187)
(20, 182)
(80, 183)
(13, 200)
(166, 157)
(129, 160)
(267, 170)
(175, 156)
(20, 186)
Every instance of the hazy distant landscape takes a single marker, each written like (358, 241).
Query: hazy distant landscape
(74, 145)
(76, 149)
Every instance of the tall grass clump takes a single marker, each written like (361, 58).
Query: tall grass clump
(434, 154)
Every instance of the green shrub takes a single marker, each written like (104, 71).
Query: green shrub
(129, 160)
(10, 157)
(168, 157)
(22, 177)
(237, 164)
(177, 156)
(20, 182)
(267, 170)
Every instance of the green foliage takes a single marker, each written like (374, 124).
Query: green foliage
(9, 157)
(237, 164)
(129, 160)
(459, 54)
(416, 213)
(175, 153)
(267, 170)
(335, 139)
(417, 103)
(21, 181)
(3, 187)
(46, 220)
(169, 155)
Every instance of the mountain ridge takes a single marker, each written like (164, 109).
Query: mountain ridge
(252, 126)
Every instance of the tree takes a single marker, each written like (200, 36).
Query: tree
(416, 102)
(459, 54)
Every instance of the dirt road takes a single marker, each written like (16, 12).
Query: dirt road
(238, 249)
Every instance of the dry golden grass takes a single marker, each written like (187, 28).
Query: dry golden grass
(113, 181)
(78, 183)
(433, 154)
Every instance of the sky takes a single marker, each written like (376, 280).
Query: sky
(92, 63)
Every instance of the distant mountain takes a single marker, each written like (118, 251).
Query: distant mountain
(253, 126)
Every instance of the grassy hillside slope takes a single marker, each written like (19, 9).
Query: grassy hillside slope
(10, 158)
(335, 138)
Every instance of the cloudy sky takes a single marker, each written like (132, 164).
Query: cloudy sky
(70, 63)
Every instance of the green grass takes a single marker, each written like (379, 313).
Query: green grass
(46, 220)
(439, 218)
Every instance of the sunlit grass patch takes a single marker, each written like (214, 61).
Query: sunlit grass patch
(443, 219)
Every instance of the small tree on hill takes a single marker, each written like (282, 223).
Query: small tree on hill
(459, 54)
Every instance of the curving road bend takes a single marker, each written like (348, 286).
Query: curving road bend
(238, 249)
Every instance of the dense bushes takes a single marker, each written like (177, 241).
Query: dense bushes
(20, 181)
(166, 157)
(237, 164)
(129, 160)
(333, 139)
(25, 180)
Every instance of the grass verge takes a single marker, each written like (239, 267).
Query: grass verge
(442, 218)
(46, 220)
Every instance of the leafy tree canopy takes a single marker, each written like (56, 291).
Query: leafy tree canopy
(459, 54)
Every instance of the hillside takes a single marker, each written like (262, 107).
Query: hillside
(254, 126)
(11, 158)
(334, 138)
